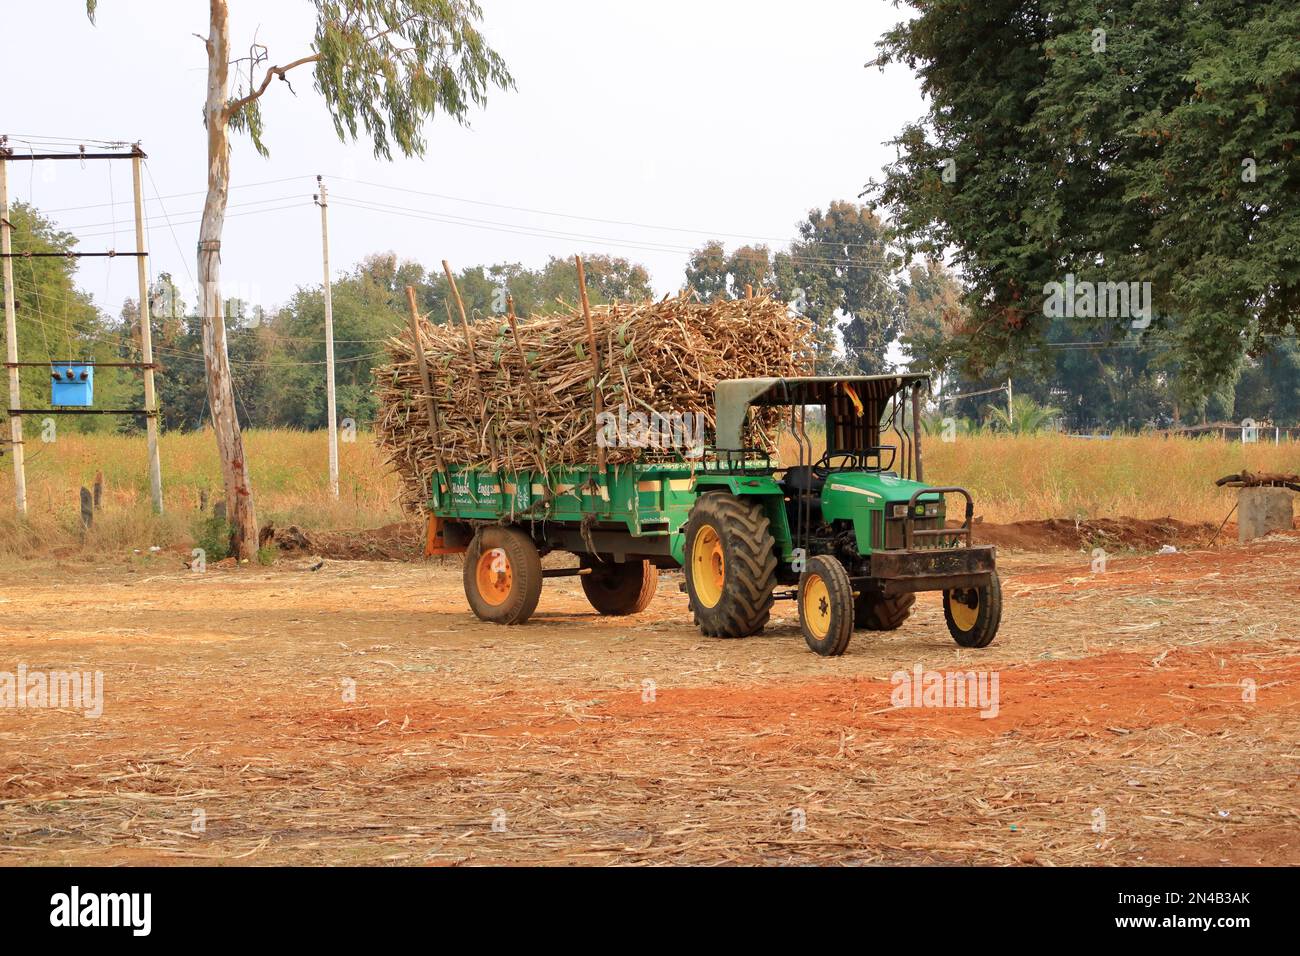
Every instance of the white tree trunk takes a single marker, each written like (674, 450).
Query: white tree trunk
(221, 392)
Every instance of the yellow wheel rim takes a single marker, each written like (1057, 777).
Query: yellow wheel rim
(494, 576)
(708, 566)
(963, 615)
(816, 606)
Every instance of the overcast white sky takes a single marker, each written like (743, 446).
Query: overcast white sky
(651, 126)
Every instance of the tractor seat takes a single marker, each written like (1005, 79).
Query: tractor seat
(800, 480)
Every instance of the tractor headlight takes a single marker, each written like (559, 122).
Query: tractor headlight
(898, 511)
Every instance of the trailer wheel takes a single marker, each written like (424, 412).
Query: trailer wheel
(973, 614)
(730, 565)
(826, 606)
(619, 589)
(873, 612)
(503, 575)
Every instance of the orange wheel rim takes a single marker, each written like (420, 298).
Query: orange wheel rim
(494, 576)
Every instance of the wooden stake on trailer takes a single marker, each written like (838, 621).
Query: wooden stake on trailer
(528, 391)
(598, 402)
(473, 357)
(426, 379)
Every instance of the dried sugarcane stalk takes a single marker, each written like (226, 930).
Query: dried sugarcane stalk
(431, 402)
(597, 399)
(473, 357)
(528, 392)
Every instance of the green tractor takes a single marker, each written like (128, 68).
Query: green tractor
(851, 533)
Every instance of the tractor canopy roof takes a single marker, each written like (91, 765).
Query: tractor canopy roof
(733, 398)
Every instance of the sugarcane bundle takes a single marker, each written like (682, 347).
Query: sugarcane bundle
(526, 402)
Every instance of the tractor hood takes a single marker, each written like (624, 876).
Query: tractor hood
(873, 488)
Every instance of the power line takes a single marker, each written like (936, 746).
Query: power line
(611, 222)
(195, 192)
(491, 225)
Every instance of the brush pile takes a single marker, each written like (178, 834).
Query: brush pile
(656, 357)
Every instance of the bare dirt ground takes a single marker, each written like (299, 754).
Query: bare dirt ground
(1125, 732)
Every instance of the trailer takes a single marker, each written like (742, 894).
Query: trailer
(852, 535)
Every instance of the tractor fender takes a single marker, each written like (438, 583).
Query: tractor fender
(765, 489)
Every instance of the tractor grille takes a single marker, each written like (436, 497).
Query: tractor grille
(894, 534)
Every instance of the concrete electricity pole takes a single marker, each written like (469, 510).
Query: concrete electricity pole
(11, 339)
(322, 200)
(146, 342)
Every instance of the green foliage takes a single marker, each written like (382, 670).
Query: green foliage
(1025, 417)
(842, 271)
(387, 67)
(713, 274)
(213, 534)
(1159, 150)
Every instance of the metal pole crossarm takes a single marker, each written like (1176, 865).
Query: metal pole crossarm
(153, 365)
(112, 253)
(80, 411)
(16, 157)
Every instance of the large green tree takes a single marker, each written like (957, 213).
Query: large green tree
(1125, 140)
(840, 273)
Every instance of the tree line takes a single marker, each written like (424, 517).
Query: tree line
(870, 313)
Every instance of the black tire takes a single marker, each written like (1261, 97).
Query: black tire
(619, 589)
(976, 630)
(826, 606)
(515, 602)
(733, 597)
(872, 612)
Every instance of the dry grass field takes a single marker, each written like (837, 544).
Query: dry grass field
(1013, 479)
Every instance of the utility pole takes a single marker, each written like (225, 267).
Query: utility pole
(322, 200)
(11, 338)
(1011, 412)
(146, 340)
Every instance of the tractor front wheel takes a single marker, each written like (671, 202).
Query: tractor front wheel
(503, 575)
(826, 606)
(619, 589)
(973, 614)
(730, 565)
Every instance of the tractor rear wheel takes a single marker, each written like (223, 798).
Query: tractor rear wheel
(730, 565)
(973, 614)
(619, 589)
(503, 575)
(826, 606)
(874, 612)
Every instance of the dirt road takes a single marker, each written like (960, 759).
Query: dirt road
(359, 714)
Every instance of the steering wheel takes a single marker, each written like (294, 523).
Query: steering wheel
(823, 467)
(854, 460)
